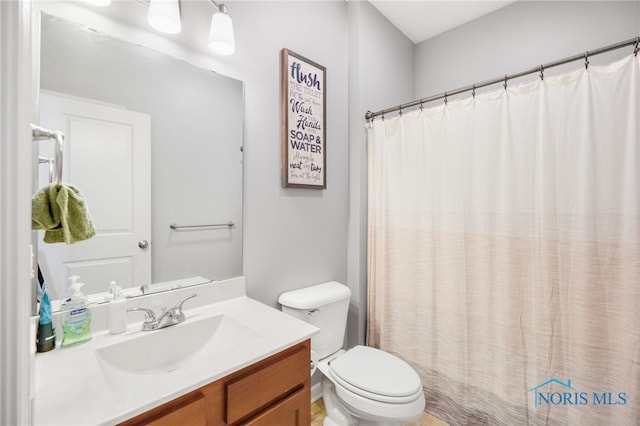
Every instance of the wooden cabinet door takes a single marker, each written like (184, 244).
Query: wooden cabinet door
(273, 392)
(291, 411)
(189, 410)
(272, 380)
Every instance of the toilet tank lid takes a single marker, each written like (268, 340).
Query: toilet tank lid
(315, 296)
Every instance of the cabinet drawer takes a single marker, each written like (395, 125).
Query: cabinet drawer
(188, 410)
(291, 411)
(250, 393)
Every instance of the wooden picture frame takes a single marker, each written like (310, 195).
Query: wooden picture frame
(303, 122)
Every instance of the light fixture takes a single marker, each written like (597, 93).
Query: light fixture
(164, 16)
(221, 40)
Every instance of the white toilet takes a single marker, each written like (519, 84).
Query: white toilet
(360, 386)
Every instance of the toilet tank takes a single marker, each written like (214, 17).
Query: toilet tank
(324, 306)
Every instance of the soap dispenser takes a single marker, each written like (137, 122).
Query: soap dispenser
(117, 310)
(76, 316)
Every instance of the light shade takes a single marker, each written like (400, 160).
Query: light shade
(164, 16)
(221, 40)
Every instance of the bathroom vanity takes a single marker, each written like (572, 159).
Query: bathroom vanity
(275, 391)
(232, 361)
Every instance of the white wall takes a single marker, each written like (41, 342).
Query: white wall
(380, 75)
(521, 36)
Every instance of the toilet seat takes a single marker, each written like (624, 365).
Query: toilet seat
(376, 375)
(379, 412)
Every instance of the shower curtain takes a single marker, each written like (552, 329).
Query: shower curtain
(504, 250)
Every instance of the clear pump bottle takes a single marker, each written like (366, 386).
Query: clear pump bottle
(117, 310)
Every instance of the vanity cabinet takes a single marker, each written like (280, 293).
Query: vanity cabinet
(274, 391)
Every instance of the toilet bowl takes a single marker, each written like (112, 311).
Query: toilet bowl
(362, 385)
(371, 387)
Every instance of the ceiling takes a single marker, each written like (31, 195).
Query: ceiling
(418, 20)
(421, 19)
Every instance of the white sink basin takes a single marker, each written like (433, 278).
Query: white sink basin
(165, 350)
(115, 378)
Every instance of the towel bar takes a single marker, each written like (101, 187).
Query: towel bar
(175, 227)
(49, 162)
(38, 133)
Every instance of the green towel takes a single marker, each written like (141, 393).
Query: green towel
(62, 212)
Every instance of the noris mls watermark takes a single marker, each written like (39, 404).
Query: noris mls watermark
(546, 394)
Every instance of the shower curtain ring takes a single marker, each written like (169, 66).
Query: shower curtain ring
(400, 109)
(505, 81)
(586, 60)
(541, 72)
(473, 91)
(421, 106)
(446, 100)
(635, 49)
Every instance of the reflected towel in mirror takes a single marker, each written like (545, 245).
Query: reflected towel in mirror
(61, 211)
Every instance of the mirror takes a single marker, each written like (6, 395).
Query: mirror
(150, 141)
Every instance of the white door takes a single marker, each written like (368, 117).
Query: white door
(107, 155)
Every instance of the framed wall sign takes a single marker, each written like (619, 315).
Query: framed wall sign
(303, 107)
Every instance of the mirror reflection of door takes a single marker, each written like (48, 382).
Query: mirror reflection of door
(107, 157)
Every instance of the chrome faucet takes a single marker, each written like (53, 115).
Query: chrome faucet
(168, 318)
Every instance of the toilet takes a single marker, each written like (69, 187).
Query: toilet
(362, 385)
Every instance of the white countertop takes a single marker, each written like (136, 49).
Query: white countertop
(71, 387)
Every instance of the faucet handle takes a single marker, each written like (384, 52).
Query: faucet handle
(180, 303)
(150, 316)
(150, 321)
(176, 311)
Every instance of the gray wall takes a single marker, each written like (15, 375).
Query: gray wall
(520, 36)
(380, 74)
(293, 237)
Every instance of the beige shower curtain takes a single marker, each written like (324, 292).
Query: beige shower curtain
(504, 250)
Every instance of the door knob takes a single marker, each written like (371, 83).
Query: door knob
(143, 244)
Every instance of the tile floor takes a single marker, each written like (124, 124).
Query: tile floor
(318, 414)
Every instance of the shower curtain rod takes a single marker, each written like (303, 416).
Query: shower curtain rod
(472, 88)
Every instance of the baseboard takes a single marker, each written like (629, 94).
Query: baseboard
(316, 392)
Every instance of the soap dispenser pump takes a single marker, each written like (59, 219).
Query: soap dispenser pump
(117, 310)
(76, 316)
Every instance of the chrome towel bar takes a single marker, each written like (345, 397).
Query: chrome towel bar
(175, 227)
(49, 162)
(39, 133)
